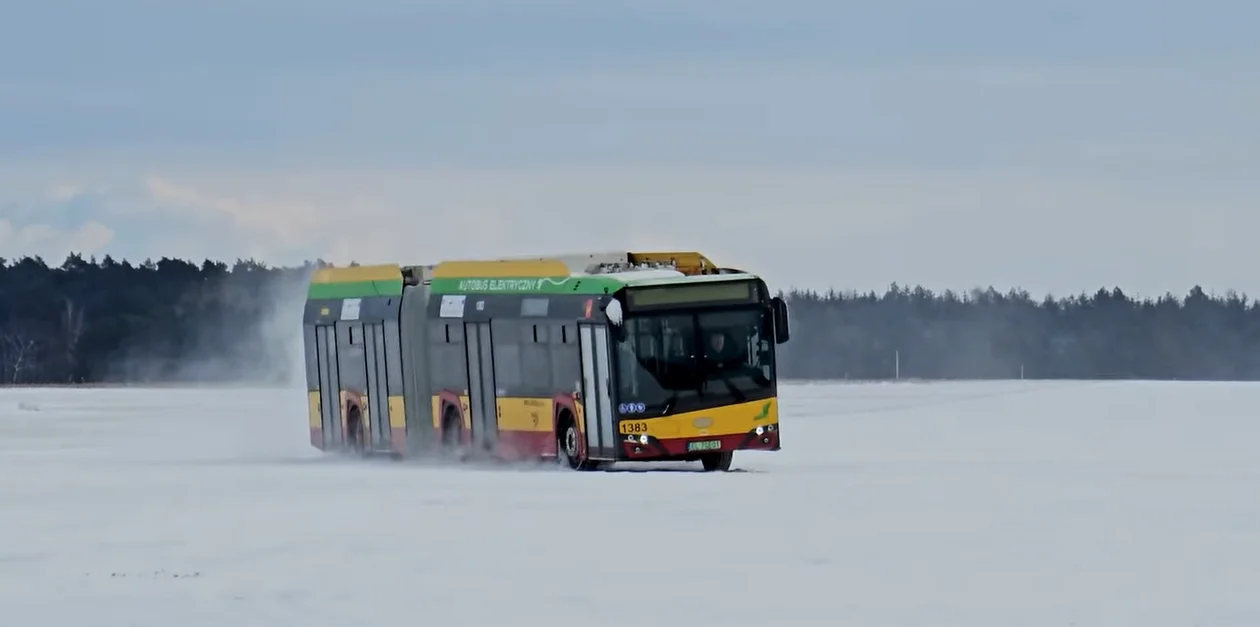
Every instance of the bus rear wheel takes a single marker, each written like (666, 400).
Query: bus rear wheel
(452, 444)
(717, 462)
(354, 432)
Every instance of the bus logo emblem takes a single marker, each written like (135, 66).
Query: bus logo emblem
(702, 423)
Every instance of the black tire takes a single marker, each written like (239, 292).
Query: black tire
(568, 445)
(717, 462)
(354, 432)
(452, 431)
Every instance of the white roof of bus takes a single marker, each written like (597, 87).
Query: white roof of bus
(647, 274)
(679, 277)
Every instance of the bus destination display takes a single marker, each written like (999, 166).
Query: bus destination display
(721, 291)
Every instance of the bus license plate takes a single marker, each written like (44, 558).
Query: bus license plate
(708, 445)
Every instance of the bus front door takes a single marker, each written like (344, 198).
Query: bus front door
(601, 433)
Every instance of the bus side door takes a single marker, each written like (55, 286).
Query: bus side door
(601, 431)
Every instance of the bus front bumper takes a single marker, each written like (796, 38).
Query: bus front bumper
(646, 447)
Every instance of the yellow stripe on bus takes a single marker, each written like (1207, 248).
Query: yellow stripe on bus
(500, 269)
(312, 410)
(686, 262)
(397, 412)
(352, 274)
(525, 414)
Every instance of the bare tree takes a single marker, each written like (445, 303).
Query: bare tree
(19, 353)
(72, 324)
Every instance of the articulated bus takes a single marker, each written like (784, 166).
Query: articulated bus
(583, 359)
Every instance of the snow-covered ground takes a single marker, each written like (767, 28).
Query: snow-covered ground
(934, 505)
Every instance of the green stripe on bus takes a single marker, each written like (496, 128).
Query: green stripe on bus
(354, 289)
(557, 285)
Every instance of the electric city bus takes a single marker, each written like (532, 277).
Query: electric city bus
(585, 359)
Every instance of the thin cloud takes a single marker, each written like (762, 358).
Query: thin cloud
(815, 228)
(42, 240)
(284, 223)
(1045, 145)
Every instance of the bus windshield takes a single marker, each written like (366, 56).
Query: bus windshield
(675, 361)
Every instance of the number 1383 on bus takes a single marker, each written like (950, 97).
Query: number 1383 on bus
(631, 427)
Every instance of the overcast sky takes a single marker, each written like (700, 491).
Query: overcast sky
(1055, 146)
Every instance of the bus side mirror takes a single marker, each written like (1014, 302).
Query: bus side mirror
(612, 311)
(779, 310)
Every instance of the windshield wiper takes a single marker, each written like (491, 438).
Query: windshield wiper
(735, 391)
(669, 404)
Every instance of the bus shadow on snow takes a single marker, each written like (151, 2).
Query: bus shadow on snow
(692, 467)
(492, 465)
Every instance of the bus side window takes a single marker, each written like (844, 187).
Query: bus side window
(536, 358)
(566, 367)
(437, 333)
(505, 336)
(446, 356)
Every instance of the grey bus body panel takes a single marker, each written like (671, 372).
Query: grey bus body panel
(482, 390)
(480, 346)
(349, 349)
(414, 378)
(329, 385)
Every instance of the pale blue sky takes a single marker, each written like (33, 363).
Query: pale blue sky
(1056, 146)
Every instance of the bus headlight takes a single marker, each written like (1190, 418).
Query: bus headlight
(760, 429)
(643, 439)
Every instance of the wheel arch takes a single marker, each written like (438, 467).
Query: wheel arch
(564, 410)
(449, 402)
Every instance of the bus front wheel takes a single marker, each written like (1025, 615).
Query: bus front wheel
(568, 445)
(717, 462)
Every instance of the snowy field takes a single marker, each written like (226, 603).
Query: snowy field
(934, 505)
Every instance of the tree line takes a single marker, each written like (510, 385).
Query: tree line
(90, 321)
(987, 334)
(108, 320)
